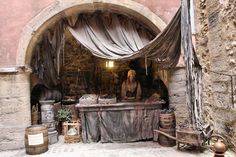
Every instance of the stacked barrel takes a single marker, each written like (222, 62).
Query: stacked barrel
(167, 125)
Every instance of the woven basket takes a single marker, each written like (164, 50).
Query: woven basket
(71, 139)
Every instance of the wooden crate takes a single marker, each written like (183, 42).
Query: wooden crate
(69, 138)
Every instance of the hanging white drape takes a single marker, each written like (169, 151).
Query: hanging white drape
(118, 39)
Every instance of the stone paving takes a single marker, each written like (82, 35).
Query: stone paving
(137, 149)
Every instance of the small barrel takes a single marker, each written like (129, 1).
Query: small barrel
(34, 117)
(36, 139)
(167, 120)
(166, 141)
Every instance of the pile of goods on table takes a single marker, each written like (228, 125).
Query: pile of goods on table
(89, 99)
(155, 98)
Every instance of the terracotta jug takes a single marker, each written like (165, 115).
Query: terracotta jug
(219, 147)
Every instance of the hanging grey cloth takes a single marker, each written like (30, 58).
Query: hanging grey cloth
(46, 58)
(193, 69)
(119, 39)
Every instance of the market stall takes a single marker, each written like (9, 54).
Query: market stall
(119, 122)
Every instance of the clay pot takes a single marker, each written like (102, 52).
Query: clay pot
(219, 147)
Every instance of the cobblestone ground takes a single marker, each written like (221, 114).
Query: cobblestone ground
(137, 149)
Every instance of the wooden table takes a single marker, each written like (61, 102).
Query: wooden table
(120, 122)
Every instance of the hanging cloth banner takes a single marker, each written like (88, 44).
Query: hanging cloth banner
(118, 39)
(193, 69)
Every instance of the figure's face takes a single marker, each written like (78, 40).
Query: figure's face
(131, 77)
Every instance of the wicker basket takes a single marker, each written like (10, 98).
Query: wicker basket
(70, 138)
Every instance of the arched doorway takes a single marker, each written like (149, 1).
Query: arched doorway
(67, 8)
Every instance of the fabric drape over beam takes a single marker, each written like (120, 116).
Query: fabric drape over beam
(118, 39)
(46, 59)
(193, 69)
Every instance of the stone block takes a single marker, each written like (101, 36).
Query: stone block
(177, 94)
(219, 114)
(12, 137)
(220, 78)
(223, 100)
(15, 111)
(177, 100)
(14, 85)
(177, 86)
(221, 87)
(176, 91)
(178, 78)
(178, 71)
(14, 90)
(180, 108)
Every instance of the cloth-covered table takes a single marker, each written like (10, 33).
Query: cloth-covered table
(119, 122)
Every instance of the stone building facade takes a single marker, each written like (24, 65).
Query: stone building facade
(216, 51)
(23, 21)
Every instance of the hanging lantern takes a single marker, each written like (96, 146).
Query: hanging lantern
(109, 64)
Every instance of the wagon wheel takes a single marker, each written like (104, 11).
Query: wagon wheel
(214, 138)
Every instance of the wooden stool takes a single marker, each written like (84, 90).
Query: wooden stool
(71, 138)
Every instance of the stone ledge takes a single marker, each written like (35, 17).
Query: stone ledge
(15, 69)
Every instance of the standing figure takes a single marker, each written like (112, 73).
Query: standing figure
(131, 89)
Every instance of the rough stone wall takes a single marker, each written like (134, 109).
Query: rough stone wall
(216, 51)
(177, 96)
(84, 73)
(78, 62)
(14, 109)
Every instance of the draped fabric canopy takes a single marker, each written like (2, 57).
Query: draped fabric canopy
(114, 38)
(106, 36)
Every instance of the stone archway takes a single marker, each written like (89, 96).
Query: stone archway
(15, 92)
(65, 8)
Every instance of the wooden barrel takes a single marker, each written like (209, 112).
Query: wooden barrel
(167, 120)
(34, 117)
(166, 141)
(36, 139)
